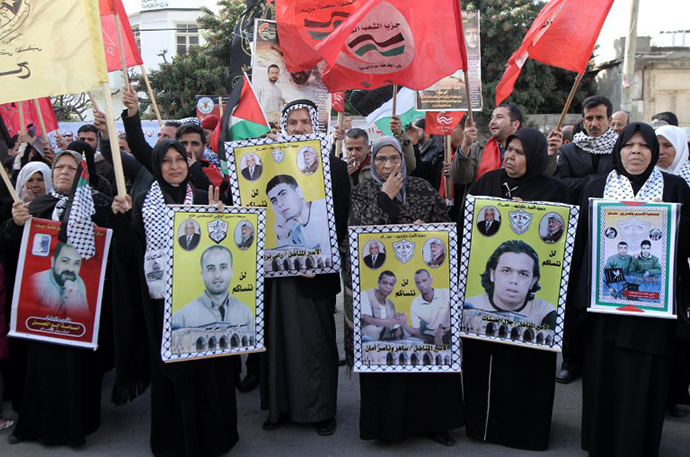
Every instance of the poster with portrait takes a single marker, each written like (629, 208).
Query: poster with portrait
(518, 258)
(275, 86)
(214, 299)
(449, 94)
(293, 182)
(57, 294)
(405, 308)
(633, 258)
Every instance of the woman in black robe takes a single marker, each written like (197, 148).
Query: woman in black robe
(394, 406)
(509, 390)
(57, 388)
(628, 359)
(193, 408)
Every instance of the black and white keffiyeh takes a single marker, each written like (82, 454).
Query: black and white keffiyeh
(596, 145)
(60, 206)
(685, 172)
(299, 104)
(80, 232)
(155, 217)
(618, 187)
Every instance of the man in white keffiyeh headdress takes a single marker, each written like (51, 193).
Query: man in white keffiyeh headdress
(589, 155)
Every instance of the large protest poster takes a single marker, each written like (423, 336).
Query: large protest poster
(275, 86)
(405, 308)
(214, 302)
(449, 94)
(292, 178)
(633, 258)
(57, 294)
(517, 257)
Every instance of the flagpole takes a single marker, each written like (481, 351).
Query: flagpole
(339, 143)
(112, 137)
(153, 99)
(92, 99)
(122, 49)
(22, 126)
(449, 182)
(46, 141)
(569, 101)
(467, 94)
(220, 105)
(395, 96)
(9, 185)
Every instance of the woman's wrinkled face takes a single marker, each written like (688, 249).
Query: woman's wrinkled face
(64, 171)
(174, 167)
(515, 161)
(667, 153)
(636, 154)
(36, 185)
(387, 159)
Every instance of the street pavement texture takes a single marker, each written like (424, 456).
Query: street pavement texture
(124, 430)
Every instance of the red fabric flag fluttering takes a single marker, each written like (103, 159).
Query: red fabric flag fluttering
(442, 122)
(563, 35)
(10, 114)
(109, 8)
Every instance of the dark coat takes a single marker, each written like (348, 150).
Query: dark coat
(577, 168)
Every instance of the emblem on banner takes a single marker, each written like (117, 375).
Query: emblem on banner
(520, 221)
(278, 155)
(217, 230)
(404, 250)
(634, 230)
(205, 105)
(41, 245)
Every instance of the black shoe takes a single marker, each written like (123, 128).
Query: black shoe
(443, 438)
(326, 428)
(565, 376)
(679, 410)
(13, 439)
(283, 420)
(249, 383)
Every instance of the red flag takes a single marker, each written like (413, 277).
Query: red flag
(442, 122)
(10, 114)
(109, 8)
(563, 35)
(302, 24)
(404, 42)
(338, 101)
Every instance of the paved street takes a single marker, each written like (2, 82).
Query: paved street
(125, 430)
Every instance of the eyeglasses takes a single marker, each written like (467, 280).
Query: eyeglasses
(394, 160)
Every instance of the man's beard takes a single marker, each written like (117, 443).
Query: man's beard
(63, 277)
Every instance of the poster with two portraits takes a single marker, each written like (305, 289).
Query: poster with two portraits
(515, 269)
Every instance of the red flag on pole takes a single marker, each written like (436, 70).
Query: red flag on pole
(563, 35)
(10, 114)
(442, 122)
(109, 8)
(338, 101)
(403, 42)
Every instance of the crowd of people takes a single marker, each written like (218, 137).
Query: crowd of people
(634, 369)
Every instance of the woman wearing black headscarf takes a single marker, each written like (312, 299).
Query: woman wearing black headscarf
(628, 359)
(394, 406)
(193, 408)
(502, 382)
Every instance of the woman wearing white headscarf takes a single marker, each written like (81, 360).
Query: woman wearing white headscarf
(673, 151)
(33, 181)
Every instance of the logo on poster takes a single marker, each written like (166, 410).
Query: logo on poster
(278, 155)
(520, 221)
(404, 250)
(634, 230)
(41, 245)
(205, 105)
(217, 230)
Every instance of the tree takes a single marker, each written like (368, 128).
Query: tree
(70, 107)
(539, 88)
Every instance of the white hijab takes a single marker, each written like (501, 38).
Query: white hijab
(675, 136)
(28, 171)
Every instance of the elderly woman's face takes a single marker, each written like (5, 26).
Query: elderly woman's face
(515, 161)
(36, 185)
(667, 153)
(174, 167)
(64, 172)
(636, 154)
(387, 159)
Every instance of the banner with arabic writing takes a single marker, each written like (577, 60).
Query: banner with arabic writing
(214, 302)
(57, 294)
(518, 258)
(404, 281)
(633, 258)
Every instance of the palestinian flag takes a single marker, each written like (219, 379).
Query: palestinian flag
(242, 119)
(77, 227)
(404, 108)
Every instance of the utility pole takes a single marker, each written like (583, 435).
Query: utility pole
(629, 59)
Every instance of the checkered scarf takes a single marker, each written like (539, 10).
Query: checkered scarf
(596, 145)
(155, 216)
(80, 233)
(685, 172)
(290, 107)
(618, 187)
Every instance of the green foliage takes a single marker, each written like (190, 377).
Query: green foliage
(540, 88)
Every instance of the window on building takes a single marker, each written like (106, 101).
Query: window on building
(187, 35)
(137, 36)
